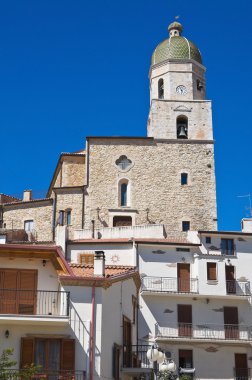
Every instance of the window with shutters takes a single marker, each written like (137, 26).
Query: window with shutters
(211, 272)
(50, 354)
(87, 258)
(18, 291)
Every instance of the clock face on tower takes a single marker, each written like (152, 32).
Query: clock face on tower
(181, 90)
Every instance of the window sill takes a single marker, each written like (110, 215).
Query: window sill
(212, 282)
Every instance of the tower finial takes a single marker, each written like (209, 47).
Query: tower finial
(175, 28)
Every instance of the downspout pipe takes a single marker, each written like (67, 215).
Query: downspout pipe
(92, 335)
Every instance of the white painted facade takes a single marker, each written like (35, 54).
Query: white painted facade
(56, 316)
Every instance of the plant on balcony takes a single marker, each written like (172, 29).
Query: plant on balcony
(6, 370)
(167, 375)
(185, 377)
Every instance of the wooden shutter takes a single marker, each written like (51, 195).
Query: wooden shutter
(67, 354)
(183, 272)
(185, 320)
(211, 271)
(8, 302)
(231, 322)
(27, 293)
(241, 367)
(27, 352)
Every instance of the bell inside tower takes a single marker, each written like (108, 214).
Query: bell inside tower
(182, 127)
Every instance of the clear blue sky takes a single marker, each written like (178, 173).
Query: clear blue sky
(72, 68)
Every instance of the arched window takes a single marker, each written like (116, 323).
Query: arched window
(182, 127)
(123, 193)
(161, 89)
(124, 190)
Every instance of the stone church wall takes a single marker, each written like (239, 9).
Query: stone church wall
(154, 182)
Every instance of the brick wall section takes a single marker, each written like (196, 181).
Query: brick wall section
(154, 181)
(40, 212)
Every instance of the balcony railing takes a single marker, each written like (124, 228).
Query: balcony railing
(243, 373)
(18, 235)
(240, 288)
(14, 374)
(34, 302)
(204, 331)
(135, 357)
(169, 285)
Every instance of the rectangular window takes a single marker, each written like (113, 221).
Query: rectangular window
(184, 178)
(211, 272)
(18, 291)
(61, 218)
(185, 225)
(227, 247)
(208, 239)
(28, 225)
(53, 355)
(68, 218)
(183, 249)
(87, 258)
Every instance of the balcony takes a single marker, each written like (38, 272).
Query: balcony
(204, 332)
(152, 285)
(14, 374)
(18, 235)
(135, 360)
(38, 303)
(243, 373)
(142, 231)
(239, 288)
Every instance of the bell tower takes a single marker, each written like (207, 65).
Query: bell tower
(178, 108)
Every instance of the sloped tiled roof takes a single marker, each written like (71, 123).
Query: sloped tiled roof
(87, 270)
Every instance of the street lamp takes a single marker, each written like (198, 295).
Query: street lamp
(157, 356)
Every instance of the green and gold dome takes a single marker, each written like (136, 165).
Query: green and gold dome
(175, 47)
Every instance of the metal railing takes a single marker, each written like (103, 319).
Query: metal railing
(242, 373)
(135, 356)
(14, 374)
(34, 302)
(169, 284)
(240, 288)
(204, 331)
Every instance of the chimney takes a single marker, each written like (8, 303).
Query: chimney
(99, 264)
(27, 195)
(246, 225)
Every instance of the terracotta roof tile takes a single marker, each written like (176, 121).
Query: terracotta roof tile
(87, 270)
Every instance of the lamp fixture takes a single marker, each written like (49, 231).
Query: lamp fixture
(44, 263)
(7, 334)
(98, 212)
(157, 356)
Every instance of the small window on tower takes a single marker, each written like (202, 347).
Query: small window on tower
(184, 179)
(185, 225)
(161, 89)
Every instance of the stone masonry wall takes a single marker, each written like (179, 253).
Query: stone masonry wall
(71, 199)
(39, 212)
(154, 182)
(73, 173)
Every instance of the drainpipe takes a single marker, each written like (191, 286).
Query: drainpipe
(92, 336)
(93, 228)
(54, 215)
